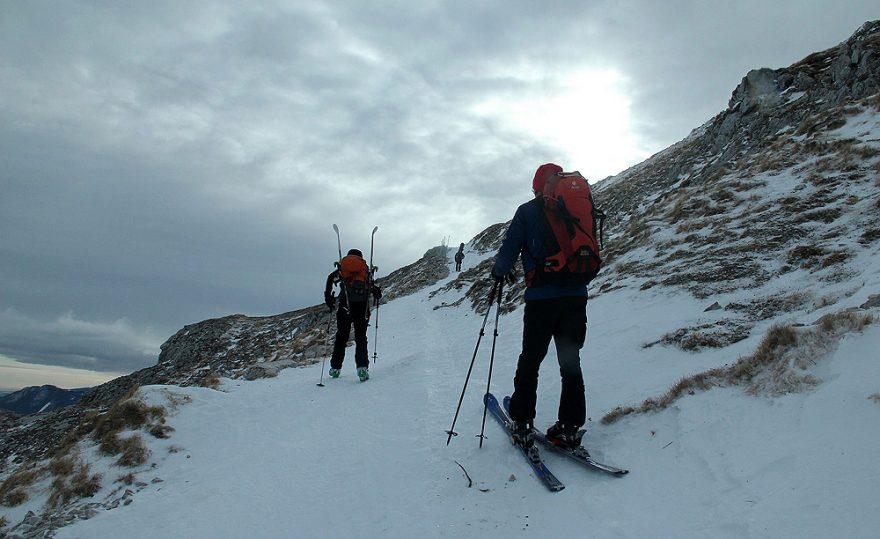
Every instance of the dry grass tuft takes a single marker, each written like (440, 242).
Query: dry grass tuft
(806, 256)
(161, 431)
(126, 414)
(62, 465)
(134, 451)
(15, 497)
(127, 479)
(870, 236)
(779, 365)
(13, 491)
(80, 484)
(211, 381)
(846, 321)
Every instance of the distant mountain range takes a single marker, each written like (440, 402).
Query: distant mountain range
(31, 400)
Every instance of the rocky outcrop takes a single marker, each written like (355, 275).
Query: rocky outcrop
(407, 280)
(767, 104)
(759, 89)
(770, 186)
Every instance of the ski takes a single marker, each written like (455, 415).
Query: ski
(372, 271)
(531, 455)
(338, 241)
(579, 454)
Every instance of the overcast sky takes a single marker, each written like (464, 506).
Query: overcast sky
(162, 163)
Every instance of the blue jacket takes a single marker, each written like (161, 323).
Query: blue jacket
(526, 236)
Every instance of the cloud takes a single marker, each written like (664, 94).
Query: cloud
(167, 162)
(75, 343)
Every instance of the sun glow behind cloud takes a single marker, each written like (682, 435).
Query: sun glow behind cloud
(585, 115)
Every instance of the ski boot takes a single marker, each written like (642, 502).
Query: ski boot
(334, 373)
(363, 374)
(521, 434)
(565, 435)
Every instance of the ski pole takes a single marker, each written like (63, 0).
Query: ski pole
(500, 282)
(451, 432)
(327, 346)
(376, 333)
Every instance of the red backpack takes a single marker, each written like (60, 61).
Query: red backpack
(355, 276)
(570, 243)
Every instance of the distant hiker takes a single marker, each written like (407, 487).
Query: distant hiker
(555, 305)
(459, 256)
(356, 286)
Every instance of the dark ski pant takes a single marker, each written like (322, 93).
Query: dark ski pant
(344, 321)
(565, 321)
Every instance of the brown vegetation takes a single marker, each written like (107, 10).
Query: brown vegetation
(127, 479)
(62, 465)
(71, 476)
(870, 236)
(836, 257)
(211, 381)
(79, 484)
(13, 491)
(805, 255)
(779, 365)
(133, 451)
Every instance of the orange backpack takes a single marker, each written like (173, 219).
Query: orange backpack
(355, 276)
(571, 245)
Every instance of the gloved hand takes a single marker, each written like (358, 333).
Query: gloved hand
(330, 300)
(510, 277)
(376, 292)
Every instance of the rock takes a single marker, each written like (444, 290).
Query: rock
(873, 301)
(267, 370)
(759, 89)
(714, 307)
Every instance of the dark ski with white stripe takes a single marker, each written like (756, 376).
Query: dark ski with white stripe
(579, 454)
(531, 454)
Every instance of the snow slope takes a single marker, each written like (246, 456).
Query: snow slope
(285, 458)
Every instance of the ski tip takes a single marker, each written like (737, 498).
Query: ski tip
(336, 228)
(375, 228)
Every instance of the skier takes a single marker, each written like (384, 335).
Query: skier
(355, 285)
(459, 256)
(557, 311)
